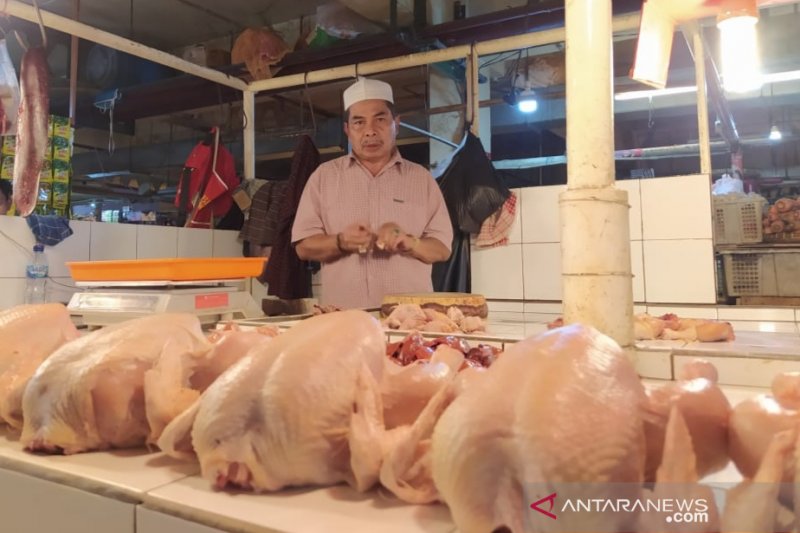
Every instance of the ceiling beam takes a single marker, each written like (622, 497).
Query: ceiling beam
(18, 9)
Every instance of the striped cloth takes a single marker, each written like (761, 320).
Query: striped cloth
(496, 228)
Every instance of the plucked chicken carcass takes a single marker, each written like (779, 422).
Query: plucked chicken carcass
(704, 410)
(303, 409)
(177, 379)
(89, 394)
(28, 335)
(565, 406)
(755, 422)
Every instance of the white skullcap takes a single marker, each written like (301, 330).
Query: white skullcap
(366, 89)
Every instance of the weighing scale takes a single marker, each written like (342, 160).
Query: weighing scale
(102, 303)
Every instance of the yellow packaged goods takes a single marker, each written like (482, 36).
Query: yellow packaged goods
(61, 127)
(62, 148)
(61, 171)
(9, 145)
(46, 174)
(60, 195)
(49, 153)
(45, 193)
(7, 168)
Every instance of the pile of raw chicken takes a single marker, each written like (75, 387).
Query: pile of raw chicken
(322, 404)
(412, 317)
(671, 327)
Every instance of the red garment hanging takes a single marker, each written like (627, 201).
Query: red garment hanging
(211, 191)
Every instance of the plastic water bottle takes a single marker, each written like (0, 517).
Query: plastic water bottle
(36, 276)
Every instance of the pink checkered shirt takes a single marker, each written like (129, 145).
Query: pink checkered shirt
(342, 192)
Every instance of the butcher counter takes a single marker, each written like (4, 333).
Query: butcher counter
(136, 491)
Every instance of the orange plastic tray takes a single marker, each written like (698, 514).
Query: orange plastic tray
(167, 269)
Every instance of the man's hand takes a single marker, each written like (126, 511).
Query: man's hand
(356, 238)
(392, 239)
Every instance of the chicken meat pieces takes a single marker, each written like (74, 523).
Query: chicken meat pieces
(89, 394)
(705, 410)
(565, 407)
(28, 335)
(302, 409)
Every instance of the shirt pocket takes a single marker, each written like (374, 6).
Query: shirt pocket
(410, 215)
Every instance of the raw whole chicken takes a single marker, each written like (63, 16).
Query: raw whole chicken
(407, 317)
(406, 390)
(563, 406)
(89, 394)
(28, 335)
(413, 317)
(705, 411)
(178, 378)
(303, 409)
(755, 422)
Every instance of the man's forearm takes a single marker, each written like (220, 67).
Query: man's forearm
(430, 250)
(322, 248)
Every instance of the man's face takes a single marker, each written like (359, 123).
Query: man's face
(372, 130)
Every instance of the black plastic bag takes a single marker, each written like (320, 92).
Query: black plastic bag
(472, 191)
(455, 274)
(471, 188)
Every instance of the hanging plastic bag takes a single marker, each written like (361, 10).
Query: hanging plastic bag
(470, 186)
(727, 185)
(9, 93)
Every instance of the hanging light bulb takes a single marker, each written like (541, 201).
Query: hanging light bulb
(741, 71)
(775, 134)
(526, 101)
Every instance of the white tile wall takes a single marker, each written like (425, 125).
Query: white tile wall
(497, 272)
(540, 214)
(755, 313)
(112, 241)
(505, 307)
(76, 247)
(156, 242)
(542, 271)
(515, 236)
(226, 243)
(679, 271)
(637, 269)
(17, 243)
(193, 242)
(676, 208)
(544, 307)
(60, 289)
(634, 199)
(12, 292)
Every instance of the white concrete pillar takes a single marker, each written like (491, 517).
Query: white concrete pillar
(249, 138)
(443, 91)
(595, 233)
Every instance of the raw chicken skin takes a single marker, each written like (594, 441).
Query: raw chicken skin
(563, 406)
(28, 335)
(178, 378)
(704, 409)
(303, 409)
(89, 394)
